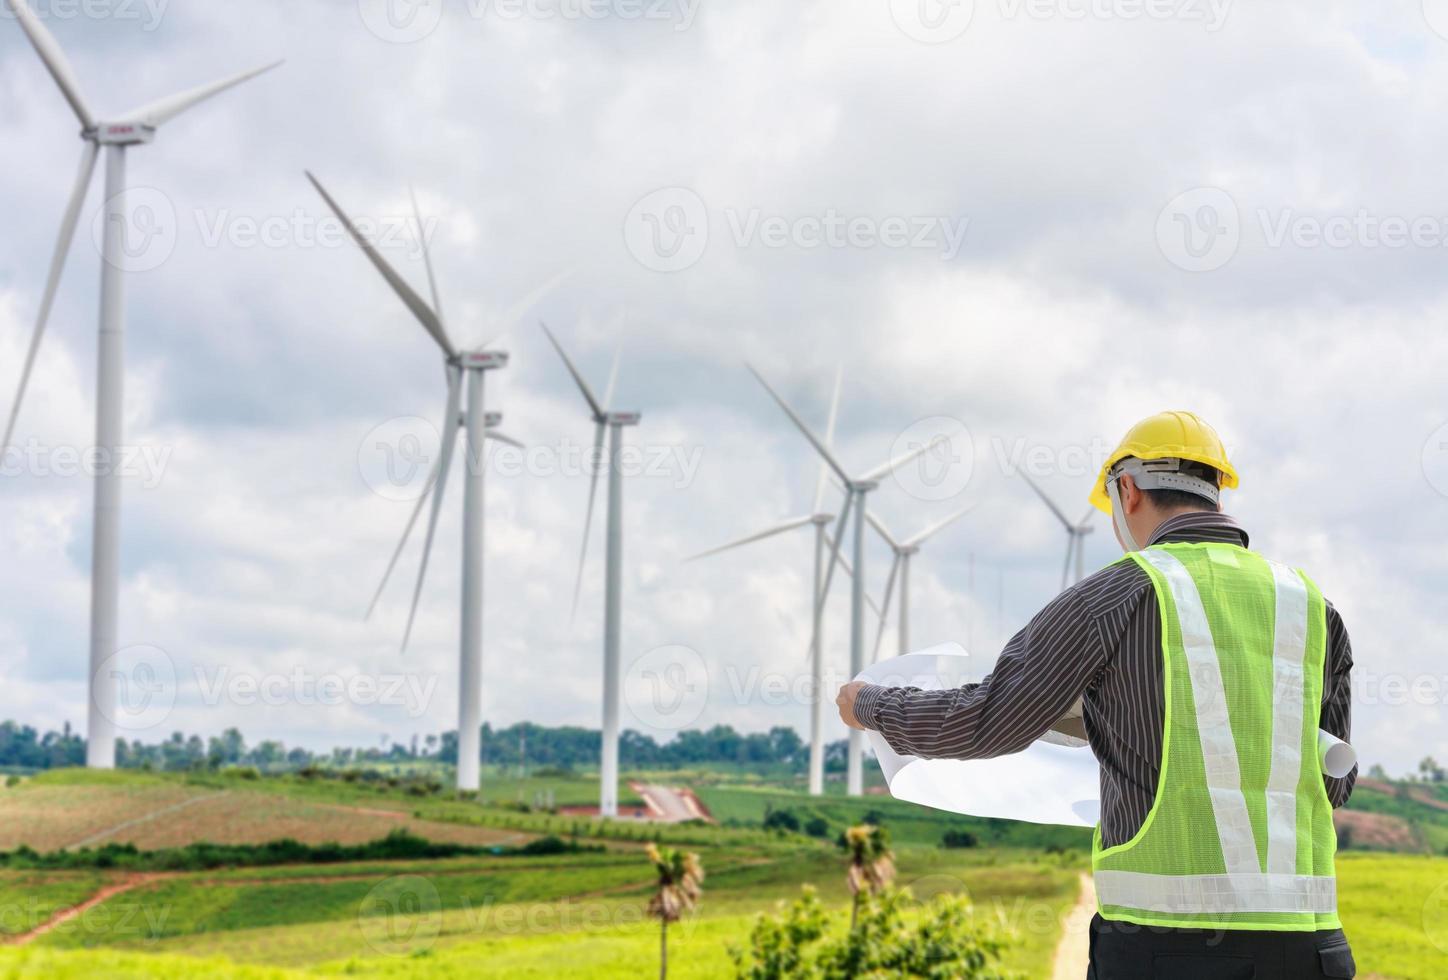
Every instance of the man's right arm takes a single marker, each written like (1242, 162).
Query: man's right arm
(1337, 700)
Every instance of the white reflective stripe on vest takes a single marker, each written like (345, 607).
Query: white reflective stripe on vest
(1289, 649)
(1221, 894)
(1219, 748)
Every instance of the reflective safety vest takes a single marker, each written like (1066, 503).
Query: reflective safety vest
(1240, 833)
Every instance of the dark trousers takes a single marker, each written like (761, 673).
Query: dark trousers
(1124, 951)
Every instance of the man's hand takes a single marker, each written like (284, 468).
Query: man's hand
(846, 701)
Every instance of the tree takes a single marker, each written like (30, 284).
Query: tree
(943, 941)
(680, 884)
(1432, 772)
(872, 865)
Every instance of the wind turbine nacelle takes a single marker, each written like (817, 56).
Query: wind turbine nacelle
(625, 418)
(492, 420)
(123, 134)
(482, 360)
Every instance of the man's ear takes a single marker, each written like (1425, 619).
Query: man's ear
(1130, 495)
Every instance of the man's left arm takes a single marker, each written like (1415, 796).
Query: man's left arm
(1041, 673)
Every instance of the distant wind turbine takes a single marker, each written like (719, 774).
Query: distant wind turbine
(857, 489)
(133, 128)
(900, 570)
(1076, 533)
(605, 421)
(820, 519)
(459, 365)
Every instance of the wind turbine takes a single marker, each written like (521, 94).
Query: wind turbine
(856, 490)
(133, 128)
(900, 569)
(821, 520)
(459, 365)
(605, 420)
(1076, 533)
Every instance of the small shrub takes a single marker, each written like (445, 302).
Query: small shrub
(959, 839)
(781, 820)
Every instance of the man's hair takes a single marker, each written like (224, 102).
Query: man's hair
(1185, 499)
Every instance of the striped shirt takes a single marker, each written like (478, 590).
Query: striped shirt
(1099, 641)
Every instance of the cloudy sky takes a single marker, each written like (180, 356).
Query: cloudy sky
(1024, 222)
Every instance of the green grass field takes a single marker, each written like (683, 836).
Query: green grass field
(573, 915)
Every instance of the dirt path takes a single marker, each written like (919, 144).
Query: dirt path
(65, 915)
(1073, 954)
(99, 836)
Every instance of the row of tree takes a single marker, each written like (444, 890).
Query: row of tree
(524, 745)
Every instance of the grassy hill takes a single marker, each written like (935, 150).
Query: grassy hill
(572, 915)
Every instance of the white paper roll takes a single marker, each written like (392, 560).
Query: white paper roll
(1337, 757)
(1051, 784)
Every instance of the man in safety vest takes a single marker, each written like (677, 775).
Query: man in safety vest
(1205, 672)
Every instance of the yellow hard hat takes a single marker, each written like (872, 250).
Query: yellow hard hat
(1168, 435)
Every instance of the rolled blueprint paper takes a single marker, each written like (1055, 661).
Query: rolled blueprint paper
(1047, 783)
(1337, 757)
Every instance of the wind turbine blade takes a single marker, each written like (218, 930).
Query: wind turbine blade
(885, 469)
(829, 439)
(1086, 522)
(814, 440)
(164, 110)
(937, 527)
(505, 439)
(519, 309)
(52, 282)
(55, 60)
(598, 410)
(885, 609)
(768, 532)
(449, 442)
(426, 255)
(599, 430)
(422, 499)
(880, 528)
(612, 382)
(1066, 569)
(1060, 516)
(425, 315)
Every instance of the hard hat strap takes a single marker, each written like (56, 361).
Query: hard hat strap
(1118, 514)
(1163, 474)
